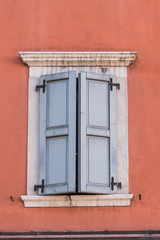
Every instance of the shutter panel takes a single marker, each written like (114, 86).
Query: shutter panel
(97, 133)
(58, 133)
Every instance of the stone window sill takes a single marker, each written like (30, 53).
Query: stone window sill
(77, 200)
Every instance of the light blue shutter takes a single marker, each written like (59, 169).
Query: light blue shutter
(97, 133)
(58, 133)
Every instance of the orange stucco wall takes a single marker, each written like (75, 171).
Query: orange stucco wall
(81, 25)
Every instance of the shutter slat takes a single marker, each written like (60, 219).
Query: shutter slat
(42, 138)
(113, 146)
(57, 76)
(97, 76)
(57, 132)
(82, 119)
(98, 132)
(72, 132)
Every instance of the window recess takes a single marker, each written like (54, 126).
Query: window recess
(96, 135)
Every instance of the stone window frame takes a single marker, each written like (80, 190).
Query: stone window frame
(41, 63)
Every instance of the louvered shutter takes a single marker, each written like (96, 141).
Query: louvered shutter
(57, 144)
(97, 133)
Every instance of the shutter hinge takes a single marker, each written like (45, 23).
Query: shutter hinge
(40, 186)
(113, 183)
(41, 86)
(111, 84)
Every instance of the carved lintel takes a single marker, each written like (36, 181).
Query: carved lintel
(81, 59)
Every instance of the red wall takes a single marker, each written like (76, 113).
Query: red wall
(81, 25)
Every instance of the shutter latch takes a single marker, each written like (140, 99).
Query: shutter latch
(40, 186)
(111, 84)
(41, 86)
(113, 183)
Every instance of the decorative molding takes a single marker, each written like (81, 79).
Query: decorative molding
(77, 200)
(80, 59)
(115, 235)
(79, 235)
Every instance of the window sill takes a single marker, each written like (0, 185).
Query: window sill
(78, 200)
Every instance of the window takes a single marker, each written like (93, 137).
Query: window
(96, 135)
(106, 64)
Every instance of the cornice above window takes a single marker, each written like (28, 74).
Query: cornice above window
(80, 59)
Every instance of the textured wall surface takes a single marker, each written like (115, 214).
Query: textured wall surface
(81, 25)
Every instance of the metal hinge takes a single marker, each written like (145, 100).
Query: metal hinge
(41, 86)
(42, 186)
(111, 84)
(113, 183)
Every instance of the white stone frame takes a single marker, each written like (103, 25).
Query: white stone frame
(41, 63)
